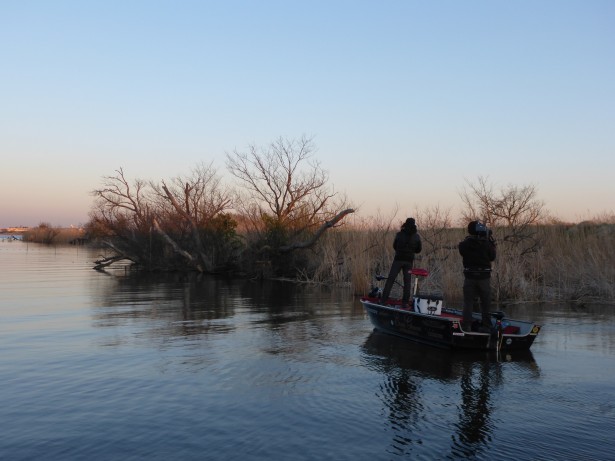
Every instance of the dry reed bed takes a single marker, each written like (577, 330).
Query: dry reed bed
(571, 263)
(52, 235)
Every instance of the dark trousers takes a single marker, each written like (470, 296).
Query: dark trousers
(405, 267)
(473, 288)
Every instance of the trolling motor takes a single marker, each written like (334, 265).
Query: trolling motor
(376, 291)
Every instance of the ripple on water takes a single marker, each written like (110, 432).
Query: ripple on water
(100, 367)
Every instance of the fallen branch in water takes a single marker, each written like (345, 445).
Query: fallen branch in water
(176, 247)
(104, 262)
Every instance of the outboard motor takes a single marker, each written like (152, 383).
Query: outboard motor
(375, 292)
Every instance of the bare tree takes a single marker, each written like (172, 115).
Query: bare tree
(513, 213)
(513, 210)
(118, 199)
(180, 214)
(120, 215)
(198, 197)
(285, 188)
(287, 202)
(196, 200)
(184, 223)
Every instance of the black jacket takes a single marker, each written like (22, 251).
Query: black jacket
(477, 254)
(407, 242)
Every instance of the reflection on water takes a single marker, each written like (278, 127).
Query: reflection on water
(433, 362)
(180, 306)
(136, 366)
(408, 368)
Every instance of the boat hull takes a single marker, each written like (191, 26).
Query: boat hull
(445, 330)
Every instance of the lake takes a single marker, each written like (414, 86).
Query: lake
(122, 366)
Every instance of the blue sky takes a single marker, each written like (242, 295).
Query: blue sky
(406, 100)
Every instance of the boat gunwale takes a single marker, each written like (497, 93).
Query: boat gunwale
(395, 308)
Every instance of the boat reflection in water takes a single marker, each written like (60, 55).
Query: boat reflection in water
(423, 386)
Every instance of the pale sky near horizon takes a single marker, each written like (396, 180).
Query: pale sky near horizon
(406, 100)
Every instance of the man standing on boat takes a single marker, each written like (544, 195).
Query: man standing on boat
(406, 244)
(477, 251)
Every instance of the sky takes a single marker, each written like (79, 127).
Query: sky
(406, 101)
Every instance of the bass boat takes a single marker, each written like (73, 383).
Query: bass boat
(427, 321)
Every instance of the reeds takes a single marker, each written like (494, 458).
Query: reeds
(568, 263)
(45, 233)
(578, 262)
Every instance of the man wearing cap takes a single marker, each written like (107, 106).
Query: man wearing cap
(478, 251)
(406, 244)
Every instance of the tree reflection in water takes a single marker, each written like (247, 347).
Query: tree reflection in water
(423, 383)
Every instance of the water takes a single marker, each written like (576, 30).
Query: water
(115, 366)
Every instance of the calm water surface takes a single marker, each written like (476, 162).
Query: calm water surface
(120, 367)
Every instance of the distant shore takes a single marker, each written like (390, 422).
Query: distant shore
(13, 230)
(48, 234)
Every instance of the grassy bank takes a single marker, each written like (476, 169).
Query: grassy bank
(564, 263)
(568, 263)
(53, 235)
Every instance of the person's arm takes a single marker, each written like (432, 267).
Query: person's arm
(461, 247)
(492, 250)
